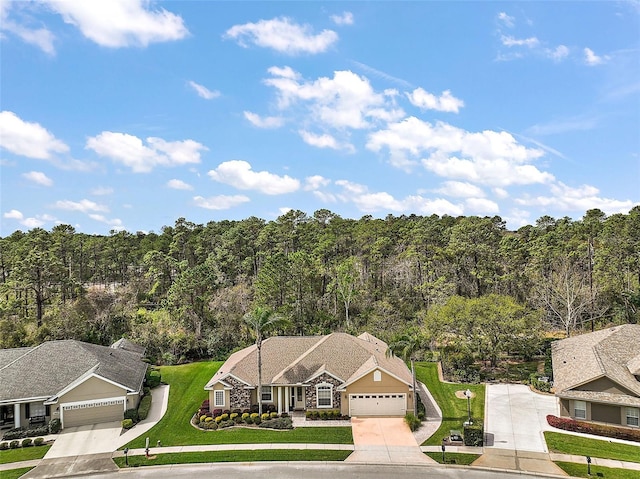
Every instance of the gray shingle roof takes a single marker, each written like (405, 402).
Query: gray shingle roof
(611, 353)
(45, 370)
(295, 359)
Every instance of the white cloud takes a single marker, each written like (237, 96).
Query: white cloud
(559, 53)
(583, 198)
(239, 174)
(203, 91)
(346, 100)
(517, 218)
(38, 177)
(179, 185)
(481, 206)
(324, 141)
(130, 151)
(507, 20)
(102, 191)
(315, 182)
(564, 125)
(28, 139)
(283, 35)
(509, 41)
(221, 202)
(32, 222)
(266, 122)
(121, 23)
(102, 219)
(500, 192)
(428, 101)
(487, 157)
(14, 215)
(591, 59)
(460, 189)
(39, 37)
(84, 206)
(345, 19)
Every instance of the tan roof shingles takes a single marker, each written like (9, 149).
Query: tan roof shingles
(608, 352)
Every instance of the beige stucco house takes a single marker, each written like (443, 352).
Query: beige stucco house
(77, 382)
(597, 375)
(336, 371)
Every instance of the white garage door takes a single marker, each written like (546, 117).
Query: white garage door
(92, 412)
(377, 404)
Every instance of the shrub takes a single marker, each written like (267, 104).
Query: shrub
(131, 414)
(16, 433)
(203, 417)
(208, 419)
(278, 423)
(257, 420)
(284, 414)
(127, 423)
(254, 415)
(473, 436)
(28, 442)
(412, 421)
(14, 444)
(248, 420)
(38, 441)
(273, 415)
(211, 425)
(225, 416)
(218, 419)
(54, 426)
(604, 430)
(233, 415)
(226, 423)
(146, 391)
(245, 415)
(38, 431)
(216, 412)
(144, 407)
(236, 411)
(324, 415)
(154, 378)
(4, 446)
(538, 383)
(226, 411)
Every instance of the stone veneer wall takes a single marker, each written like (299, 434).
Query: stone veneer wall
(239, 397)
(310, 394)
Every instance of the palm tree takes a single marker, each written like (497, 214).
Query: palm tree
(261, 320)
(406, 347)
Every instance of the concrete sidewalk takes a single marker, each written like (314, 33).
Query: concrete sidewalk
(158, 409)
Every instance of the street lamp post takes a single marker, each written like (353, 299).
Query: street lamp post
(126, 458)
(467, 394)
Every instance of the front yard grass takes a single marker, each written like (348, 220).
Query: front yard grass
(15, 473)
(257, 455)
(185, 397)
(583, 446)
(23, 454)
(580, 470)
(454, 410)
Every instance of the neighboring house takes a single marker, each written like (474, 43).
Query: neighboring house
(337, 371)
(597, 375)
(79, 383)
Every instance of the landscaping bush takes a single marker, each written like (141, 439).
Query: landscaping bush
(473, 436)
(278, 423)
(225, 416)
(233, 416)
(226, 423)
(54, 426)
(38, 441)
(14, 444)
(265, 416)
(254, 415)
(154, 378)
(4, 446)
(257, 420)
(412, 421)
(212, 425)
(127, 423)
(131, 414)
(144, 407)
(28, 442)
(248, 420)
(21, 432)
(217, 412)
(245, 415)
(569, 424)
(15, 433)
(539, 384)
(273, 415)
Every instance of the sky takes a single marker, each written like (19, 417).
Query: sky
(130, 114)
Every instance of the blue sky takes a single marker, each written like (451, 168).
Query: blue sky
(130, 114)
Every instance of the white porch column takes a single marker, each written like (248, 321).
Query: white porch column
(287, 396)
(279, 399)
(17, 417)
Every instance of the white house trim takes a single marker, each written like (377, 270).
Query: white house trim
(357, 378)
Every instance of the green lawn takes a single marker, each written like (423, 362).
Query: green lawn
(582, 446)
(580, 470)
(454, 410)
(235, 456)
(185, 396)
(23, 454)
(462, 459)
(15, 473)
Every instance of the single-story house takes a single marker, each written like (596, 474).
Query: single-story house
(336, 371)
(76, 382)
(597, 375)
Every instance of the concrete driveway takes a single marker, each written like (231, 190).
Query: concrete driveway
(90, 439)
(515, 417)
(384, 440)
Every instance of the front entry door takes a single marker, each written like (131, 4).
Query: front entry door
(297, 397)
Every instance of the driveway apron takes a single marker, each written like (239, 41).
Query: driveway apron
(384, 440)
(89, 439)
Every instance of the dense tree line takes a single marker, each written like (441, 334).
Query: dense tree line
(184, 291)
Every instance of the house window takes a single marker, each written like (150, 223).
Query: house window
(324, 395)
(633, 416)
(267, 394)
(218, 398)
(580, 409)
(36, 409)
(377, 376)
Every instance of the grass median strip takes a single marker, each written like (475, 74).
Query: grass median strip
(185, 396)
(23, 454)
(459, 458)
(259, 455)
(454, 410)
(583, 446)
(15, 473)
(580, 470)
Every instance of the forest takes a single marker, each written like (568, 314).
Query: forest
(465, 284)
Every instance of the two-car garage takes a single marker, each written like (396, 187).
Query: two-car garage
(388, 404)
(92, 412)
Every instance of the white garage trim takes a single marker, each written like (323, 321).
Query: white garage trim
(91, 403)
(378, 404)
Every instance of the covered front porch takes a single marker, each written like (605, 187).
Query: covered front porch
(285, 398)
(23, 414)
